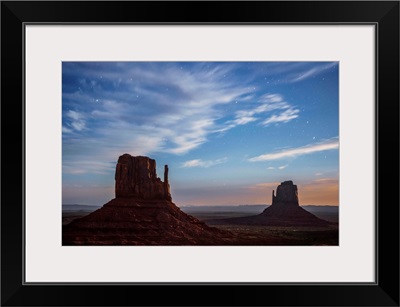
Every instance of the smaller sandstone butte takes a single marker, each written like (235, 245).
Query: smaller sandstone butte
(286, 194)
(284, 211)
(142, 213)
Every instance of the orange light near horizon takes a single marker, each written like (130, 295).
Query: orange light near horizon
(322, 192)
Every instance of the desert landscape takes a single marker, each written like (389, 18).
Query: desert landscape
(251, 235)
(142, 213)
(200, 153)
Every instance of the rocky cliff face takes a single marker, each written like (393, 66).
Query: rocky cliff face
(136, 177)
(286, 194)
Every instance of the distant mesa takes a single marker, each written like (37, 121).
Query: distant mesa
(142, 213)
(284, 211)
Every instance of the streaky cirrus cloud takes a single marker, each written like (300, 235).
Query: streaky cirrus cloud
(279, 167)
(201, 163)
(186, 101)
(82, 167)
(285, 112)
(76, 122)
(284, 117)
(118, 107)
(266, 104)
(329, 144)
(308, 73)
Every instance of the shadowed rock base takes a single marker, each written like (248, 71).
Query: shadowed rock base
(128, 221)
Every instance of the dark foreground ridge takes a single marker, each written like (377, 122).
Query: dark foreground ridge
(284, 211)
(142, 213)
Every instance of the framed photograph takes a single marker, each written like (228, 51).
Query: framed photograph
(242, 153)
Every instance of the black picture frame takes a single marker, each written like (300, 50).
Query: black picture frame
(383, 14)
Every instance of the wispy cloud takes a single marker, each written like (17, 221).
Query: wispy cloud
(83, 167)
(201, 163)
(243, 120)
(278, 167)
(284, 117)
(266, 104)
(329, 144)
(311, 72)
(66, 130)
(75, 121)
(183, 112)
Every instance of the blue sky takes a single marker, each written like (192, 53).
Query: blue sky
(229, 131)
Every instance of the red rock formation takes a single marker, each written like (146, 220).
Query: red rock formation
(141, 214)
(286, 194)
(167, 193)
(136, 177)
(284, 211)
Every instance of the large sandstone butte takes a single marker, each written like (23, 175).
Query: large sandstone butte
(284, 211)
(136, 177)
(142, 213)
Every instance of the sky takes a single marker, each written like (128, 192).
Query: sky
(230, 132)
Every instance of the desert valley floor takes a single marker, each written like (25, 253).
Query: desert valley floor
(250, 235)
